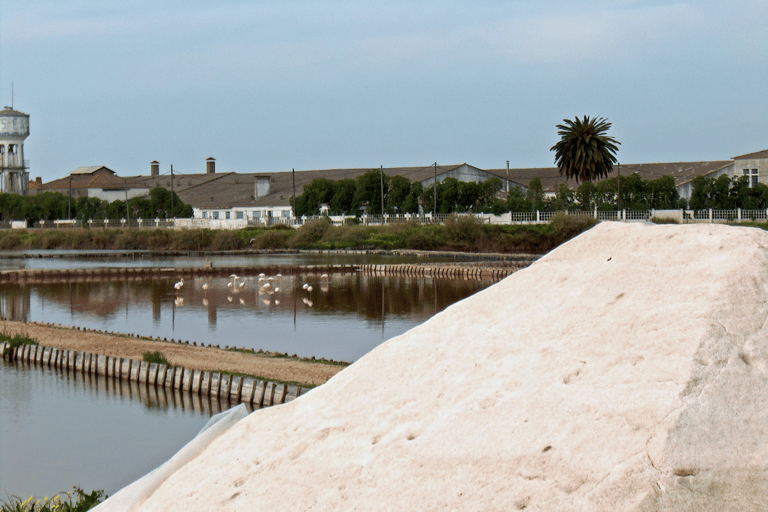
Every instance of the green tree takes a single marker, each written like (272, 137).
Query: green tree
(318, 191)
(487, 201)
(343, 196)
(535, 195)
(411, 203)
(663, 194)
(516, 200)
(368, 191)
(585, 152)
(586, 195)
(399, 191)
(564, 197)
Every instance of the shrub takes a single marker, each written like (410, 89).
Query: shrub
(272, 239)
(193, 239)
(59, 503)
(310, 234)
(664, 220)
(423, 240)
(344, 237)
(463, 229)
(226, 241)
(155, 357)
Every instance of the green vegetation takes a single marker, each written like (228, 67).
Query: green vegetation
(161, 204)
(585, 152)
(724, 193)
(351, 197)
(155, 357)
(460, 233)
(17, 340)
(74, 501)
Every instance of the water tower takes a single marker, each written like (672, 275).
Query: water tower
(14, 128)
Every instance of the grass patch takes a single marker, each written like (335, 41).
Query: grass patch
(17, 340)
(156, 357)
(74, 501)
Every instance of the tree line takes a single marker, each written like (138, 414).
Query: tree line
(364, 193)
(48, 206)
(351, 197)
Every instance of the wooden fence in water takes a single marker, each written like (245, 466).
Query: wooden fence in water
(235, 389)
(440, 270)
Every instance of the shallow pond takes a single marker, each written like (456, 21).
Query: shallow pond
(341, 319)
(61, 429)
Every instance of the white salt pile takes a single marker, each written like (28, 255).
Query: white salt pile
(625, 371)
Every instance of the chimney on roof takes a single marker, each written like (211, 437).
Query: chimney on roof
(262, 186)
(154, 168)
(210, 165)
(39, 181)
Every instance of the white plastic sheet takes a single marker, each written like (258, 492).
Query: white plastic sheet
(132, 496)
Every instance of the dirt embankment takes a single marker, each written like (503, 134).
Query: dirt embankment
(197, 358)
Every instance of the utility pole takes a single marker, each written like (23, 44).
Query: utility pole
(127, 209)
(381, 175)
(618, 195)
(434, 205)
(172, 214)
(293, 175)
(69, 201)
(507, 189)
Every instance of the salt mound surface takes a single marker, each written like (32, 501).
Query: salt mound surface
(624, 371)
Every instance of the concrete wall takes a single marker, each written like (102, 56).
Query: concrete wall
(761, 164)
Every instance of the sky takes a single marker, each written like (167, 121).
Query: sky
(267, 86)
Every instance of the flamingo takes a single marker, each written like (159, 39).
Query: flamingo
(178, 285)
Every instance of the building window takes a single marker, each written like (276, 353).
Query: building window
(205, 215)
(752, 175)
(227, 214)
(215, 215)
(285, 213)
(239, 215)
(256, 214)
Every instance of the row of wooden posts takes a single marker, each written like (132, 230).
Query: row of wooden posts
(98, 274)
(235, 389)
(451, 271)
(108, 273)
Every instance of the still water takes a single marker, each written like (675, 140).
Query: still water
(59, 429)
(341, 320)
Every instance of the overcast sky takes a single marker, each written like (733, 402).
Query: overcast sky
(265, 86)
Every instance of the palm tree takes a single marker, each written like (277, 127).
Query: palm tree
(585, 152)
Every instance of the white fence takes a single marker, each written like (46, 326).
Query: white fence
(536, 217)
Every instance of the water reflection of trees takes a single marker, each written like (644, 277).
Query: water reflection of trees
(368, 296)
(374, 296)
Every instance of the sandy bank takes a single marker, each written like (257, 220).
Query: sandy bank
(196, 358)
